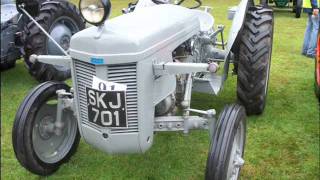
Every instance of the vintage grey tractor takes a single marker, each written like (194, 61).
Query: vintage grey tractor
(22, 37)
(133, 75)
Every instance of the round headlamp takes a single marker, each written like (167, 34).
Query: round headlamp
(95, 11)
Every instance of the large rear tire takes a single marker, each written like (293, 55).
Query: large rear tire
(225, 157)
(61, 20)
(254, 59)
(9, 52)
(36, 144)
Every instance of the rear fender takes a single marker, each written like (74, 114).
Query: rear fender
(237, 24)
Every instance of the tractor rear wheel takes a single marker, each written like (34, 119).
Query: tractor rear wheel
(254, 59)
(9, 52)
(61, 20)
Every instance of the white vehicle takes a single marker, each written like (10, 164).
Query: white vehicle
(132, 75)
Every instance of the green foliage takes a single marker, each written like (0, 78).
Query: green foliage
(283, 143)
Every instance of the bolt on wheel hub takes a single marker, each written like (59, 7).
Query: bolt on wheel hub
(236, 161)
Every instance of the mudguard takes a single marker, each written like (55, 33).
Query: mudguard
(237, 24)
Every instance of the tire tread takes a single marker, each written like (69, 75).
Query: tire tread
(21, 138)
(254, 59)
(35, 40)
(222, 140)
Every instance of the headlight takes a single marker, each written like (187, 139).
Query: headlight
(95, 11)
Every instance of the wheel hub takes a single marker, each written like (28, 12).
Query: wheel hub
(61, 31)
(236, 161)
(65, 42)
(49, 146)
(46, 127)
(62, 34)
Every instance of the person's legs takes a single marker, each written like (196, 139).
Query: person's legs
(311, 52)
(307, 36)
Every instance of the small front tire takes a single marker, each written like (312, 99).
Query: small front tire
(37, 146)
(225, 157)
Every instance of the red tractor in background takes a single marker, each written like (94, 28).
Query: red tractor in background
(317, 70)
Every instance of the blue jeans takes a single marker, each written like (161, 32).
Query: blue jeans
(310, 36)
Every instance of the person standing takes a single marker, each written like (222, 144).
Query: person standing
(310, 37)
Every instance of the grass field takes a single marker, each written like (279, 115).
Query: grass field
(283, 143)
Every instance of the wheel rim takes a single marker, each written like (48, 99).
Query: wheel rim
(49, 147)
(267, 80)
(61, 31)
(268, 71)
(236, 161)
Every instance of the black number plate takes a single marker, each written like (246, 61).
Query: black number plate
(107, 108)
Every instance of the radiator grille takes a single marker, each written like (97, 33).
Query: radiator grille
(124, 74)
(127, 74)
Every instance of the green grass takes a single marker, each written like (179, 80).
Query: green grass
(283, 143)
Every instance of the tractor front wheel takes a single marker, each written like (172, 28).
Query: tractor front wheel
(37, 144)
(225, 157)
(254, 59)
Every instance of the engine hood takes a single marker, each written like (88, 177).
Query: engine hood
(136, 35)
